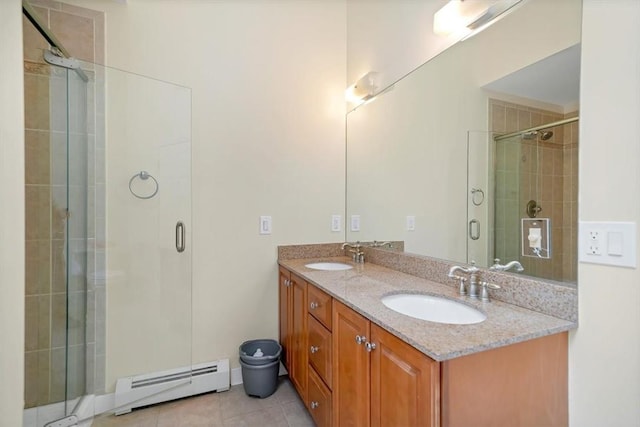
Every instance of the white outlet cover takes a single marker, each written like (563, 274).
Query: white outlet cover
(608, 243)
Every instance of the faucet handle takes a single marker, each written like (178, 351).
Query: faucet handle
(462, 287)
(484, 295)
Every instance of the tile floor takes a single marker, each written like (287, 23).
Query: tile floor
(230, 408)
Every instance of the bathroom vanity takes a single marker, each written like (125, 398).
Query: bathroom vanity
(356, 362)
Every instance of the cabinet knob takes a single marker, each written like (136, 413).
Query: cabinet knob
(314, 349)
(370, 346)
(287, 282)
(361, 339)
(314, 305)
(314, 404)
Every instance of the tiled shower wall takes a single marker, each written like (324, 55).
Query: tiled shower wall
(81, 31)
(545, 171)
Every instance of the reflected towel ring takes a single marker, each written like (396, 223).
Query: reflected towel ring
(477, 200)
(144, 175)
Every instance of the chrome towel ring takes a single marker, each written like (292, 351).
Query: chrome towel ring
(144, 175)
(477, 196)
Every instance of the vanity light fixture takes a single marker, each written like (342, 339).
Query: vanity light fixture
(363, 90)
(466, 16)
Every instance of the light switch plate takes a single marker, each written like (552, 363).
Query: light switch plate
(336, 222)
(608, 243)
(411, 223)
(355, 222)
(540, 227)
(265, 224)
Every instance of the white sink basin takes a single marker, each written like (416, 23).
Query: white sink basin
(433, 309)
(329, 266)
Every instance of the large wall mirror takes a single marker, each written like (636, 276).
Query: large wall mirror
(473, 156)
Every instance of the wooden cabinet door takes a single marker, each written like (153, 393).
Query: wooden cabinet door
(319, 305)
(350, 384)
(405, 384)
(319, 400)
(299, 359)
(284, 308)
(319, 341)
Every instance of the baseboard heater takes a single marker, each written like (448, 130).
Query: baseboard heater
(148, 389)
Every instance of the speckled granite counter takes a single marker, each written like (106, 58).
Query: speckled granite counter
(362, 287)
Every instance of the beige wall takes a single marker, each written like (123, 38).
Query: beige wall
(402, 37)
(268, 139)
(11, 215)
(392, 37)
(604, 365)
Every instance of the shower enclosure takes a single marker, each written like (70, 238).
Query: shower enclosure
(525, 175)
(108, 216)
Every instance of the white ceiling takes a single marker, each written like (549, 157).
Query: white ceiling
(553, 80)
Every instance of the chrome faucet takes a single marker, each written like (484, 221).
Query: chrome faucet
(377, 244)
(473, 279)
(356, 251)
(473, 273)
(506, 267)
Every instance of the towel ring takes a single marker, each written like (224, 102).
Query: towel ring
(477, 200)
(144, 175)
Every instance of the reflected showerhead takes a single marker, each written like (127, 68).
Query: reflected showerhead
(545, 134)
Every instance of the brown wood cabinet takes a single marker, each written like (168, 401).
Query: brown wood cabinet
(319, 400)
(319, 323)
(351, 364)
(293, 327)
(523, 384)
(405, 384)
(319, 340)
(284, 298)
(351, 372)
(380, 380)
(298, 322)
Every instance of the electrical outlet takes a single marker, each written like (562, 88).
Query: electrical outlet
(594, 243)
(608, 242)
(594, 250)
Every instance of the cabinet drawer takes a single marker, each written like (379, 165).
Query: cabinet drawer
(319, 344)
(320, 305)
(319, 400)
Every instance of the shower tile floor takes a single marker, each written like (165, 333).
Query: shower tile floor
(284, 408)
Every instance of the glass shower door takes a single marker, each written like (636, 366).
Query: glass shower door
(142, 269)
(77, 229)
(480, 198)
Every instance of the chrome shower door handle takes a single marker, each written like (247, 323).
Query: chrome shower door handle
(474, 234)
(180, 237)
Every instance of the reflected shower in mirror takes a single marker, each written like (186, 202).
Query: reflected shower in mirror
(420, 156)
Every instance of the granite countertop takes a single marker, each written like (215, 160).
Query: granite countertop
(362, 287)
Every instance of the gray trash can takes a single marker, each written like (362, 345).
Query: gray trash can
(260, 362)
